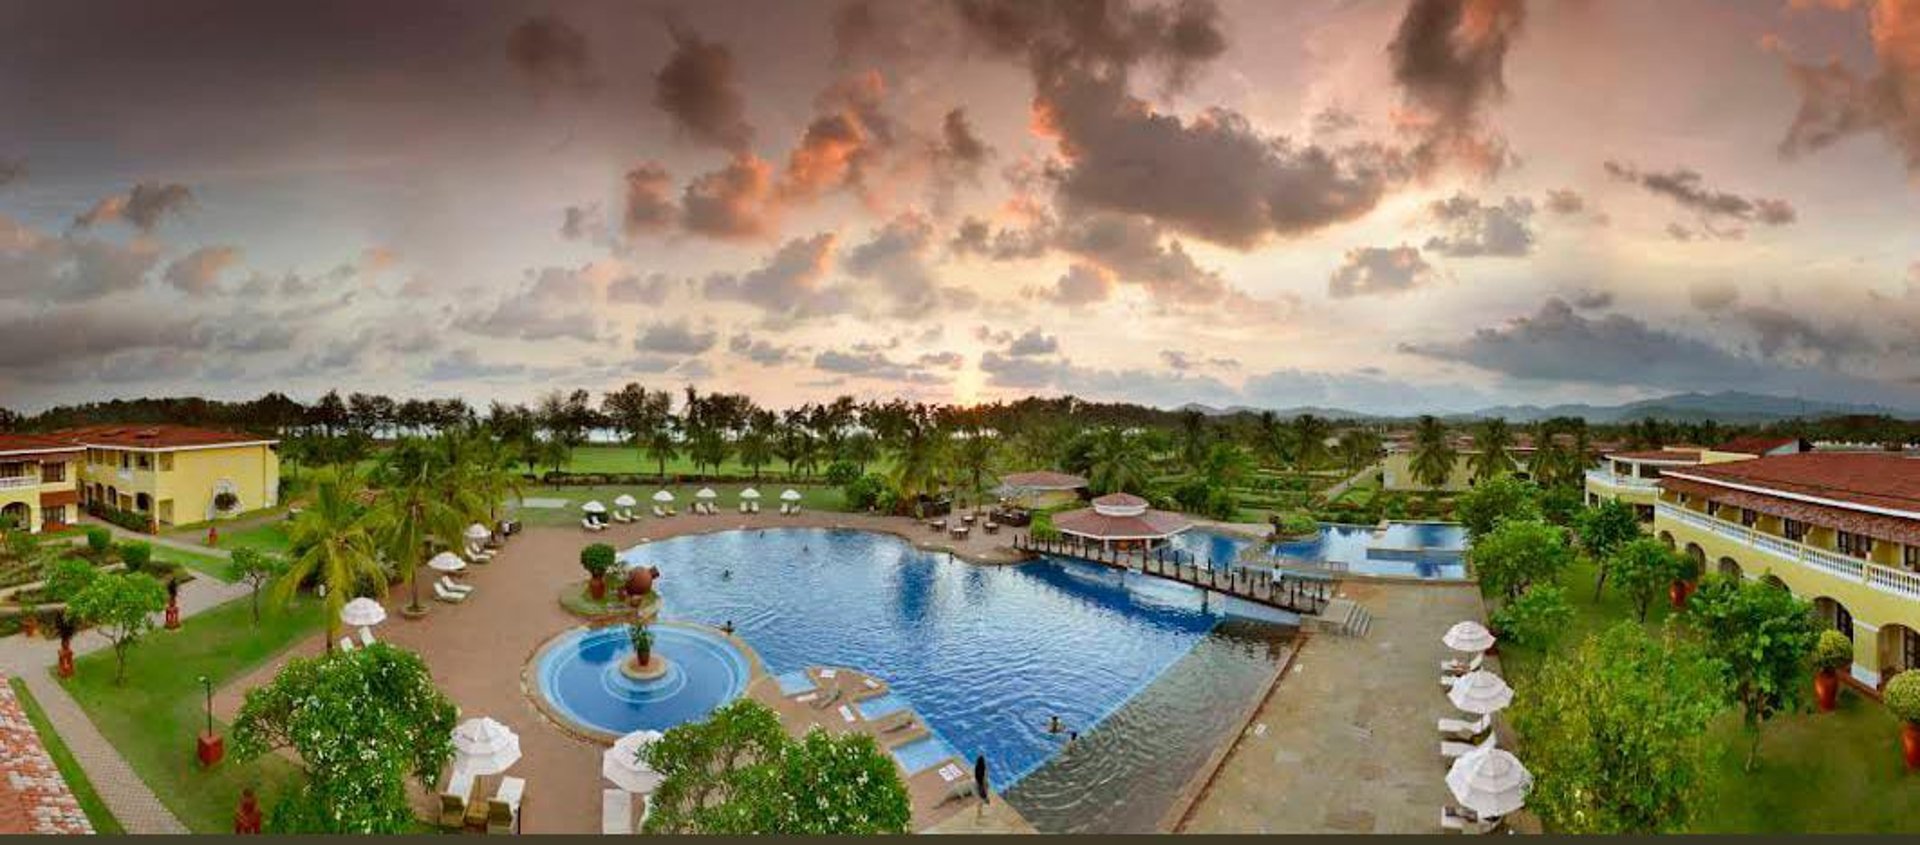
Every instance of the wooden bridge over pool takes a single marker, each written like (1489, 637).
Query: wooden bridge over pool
(1307, 594)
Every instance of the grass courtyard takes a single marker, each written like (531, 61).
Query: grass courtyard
(1816, 772)
(97, 813)
(818, 497)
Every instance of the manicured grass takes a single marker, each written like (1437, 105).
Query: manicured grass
(269, 537)
(627, 459)
(208, 565)
(818, 497)
(154, 716)
(1816, 772)
(97, 814)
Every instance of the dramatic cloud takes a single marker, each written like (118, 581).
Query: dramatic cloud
(1374, 270)
(1033, 343)
(1714, 208)
(198, 273)
(1593, 300)
(75, 336)
(1557, 344)
(552, 53)
(554, 303)
(1565, 201)
(678, 337)
(464, 364)
(1782, 332)
(873, 364)
(1131, 248)
(1060, 375)
(791, 284)
(977, 237)
(40, 267)
(1837, 103)
(1449, 59)
(142, 207)
(1082, 284)
(1474, 229)
(631, 290)
(760, 351)
(896, 258)
(1182, 361)
(649, 206)
(849, 139)
(698, 90)
(1713, 296)
(736, 201)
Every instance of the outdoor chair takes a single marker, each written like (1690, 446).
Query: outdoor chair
(1455, 750)
(453, 811)
(590, 525)
(503, 811)
(449, 596)
(1456, 667)
(743, 508)
(756, 507)
(346, 643)
(783, 508)
(366, 636)
(616, 811)
(1465, 730)
(453, 586)
(796, 509)
(825, 701)
(1463, 821)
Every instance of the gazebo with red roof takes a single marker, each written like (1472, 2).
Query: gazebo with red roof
(1121, 520)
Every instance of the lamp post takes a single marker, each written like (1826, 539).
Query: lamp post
(211, 747)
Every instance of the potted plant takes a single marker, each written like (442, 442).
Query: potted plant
(173, 603)
(65, 624)
(1832, 653)
(596, 560)
(29, 614)
(1902, 696)
(642, 640)
(1686, 574)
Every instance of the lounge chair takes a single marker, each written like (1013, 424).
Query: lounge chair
(616, 811)
(1461, 821)
(503, 811)
(366, 636)
(847, 714)
(1464, 730)
(449, 596)
(480, 561)
(453, 811)
(959, 785)
(590, 525)
(1457, 667)
(1454, 750)
(756, 507)
(479, 550)
(658, 513)
(454, 586)
(825, 701)
(903, 722)
(346, 643)
(743, 508)
(796, 510)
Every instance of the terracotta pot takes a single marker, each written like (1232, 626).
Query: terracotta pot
(173, 615)
(66, 660)
(597, 587)
(1677, 593)
(1910, 743)
(1826, 689)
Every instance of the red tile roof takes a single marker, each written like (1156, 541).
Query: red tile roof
(1121, 500)
(1755, 445)
(1856, 522)
(155, 436)
(1864, 479)
(1043, 480)
(1151, 524)
(34, 444)
(1691, 456)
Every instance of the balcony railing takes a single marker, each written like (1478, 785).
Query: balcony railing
(1603, 477)
(1883, 578)
(19, 481)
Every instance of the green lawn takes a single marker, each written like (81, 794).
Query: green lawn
(1816, 773)
(97, 814)
(624, 459)
(208, 565)
(153, 718)
(818, 497)
(270, 537)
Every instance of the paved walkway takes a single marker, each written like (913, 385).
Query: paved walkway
(1336, 490)
(34, 798)
(132, 803)
(1346, 743)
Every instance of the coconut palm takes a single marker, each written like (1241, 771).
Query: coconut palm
(1118, 462)
(332, 546)
(973, 458)
(1358, 448)
(1309, 435)
(916, 465)
(1433, 456)
(1547, 460)
(1492, 443)
(423, 503)
(1275, 439)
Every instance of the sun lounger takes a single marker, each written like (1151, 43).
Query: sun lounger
(847, 714)
(743, 507)
(1460, 821)
(503, 811)
(446, 595)
(616, 811)
(829, 673)
(1463, 729)
(658, 513)
(901, 723)
(807, 696)
(454, 586)
(870, 683)
(590, 525)
(1454, 750)
(795, 511)
(346, 643)
(366, 636)
(1456, 667)
(832, 697)
(754, 507)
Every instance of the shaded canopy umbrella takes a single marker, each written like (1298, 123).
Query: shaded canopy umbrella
(447, 562)
(594, 507)
(484, 746)
(622, 764)
(749, 493)
(663, 496)
(624, 501)
(705, 493)
(362, 612)
(1480, 692)
(1468, 636)
(790, 495)
(1489, 781)
(477, 531)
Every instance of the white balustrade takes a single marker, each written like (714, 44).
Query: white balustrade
(19, 481)
(1608, 479)
(1897, 581)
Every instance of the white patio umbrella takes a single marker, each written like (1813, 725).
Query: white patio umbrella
(622, 765)
(1489, 781)
(1468, 636)
(790, 495)
(705, 493)
(1480, 693)
(749, 493)
(624, 501)
(477, 531)
(594, 507)
(484, 746)
(362, 612)
(663, 497)
(447, 562)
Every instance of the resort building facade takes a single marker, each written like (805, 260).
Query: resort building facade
(1634, 477)
(39, 486)
(1041, 489)
(176, 475)
(1840, 529)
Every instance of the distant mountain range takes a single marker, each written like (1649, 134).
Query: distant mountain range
(1730, 406)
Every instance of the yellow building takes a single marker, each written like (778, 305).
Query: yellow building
(1841, 530)
(39, 485)
(176, 475)
(1633, 477)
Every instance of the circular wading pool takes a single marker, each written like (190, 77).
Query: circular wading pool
(578, 679)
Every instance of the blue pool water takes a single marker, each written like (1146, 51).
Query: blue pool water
(580, 675)
(923, 754)
(984, 654)
(1408, 549)
(882, 705)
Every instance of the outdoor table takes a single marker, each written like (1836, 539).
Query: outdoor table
(991, 528)
(968, 519)
(938, 525)
(959, 532)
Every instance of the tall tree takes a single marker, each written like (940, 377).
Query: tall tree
(1492, 445)
(1602, 529)
(1359, 447)
(1117, 462)
(1433, 455)
(1764, 636)
(331, 546)
(1309, 441)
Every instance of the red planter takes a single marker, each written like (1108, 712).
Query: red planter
(1910, 743)
(597, 587)
(210, 749)
(173, 615)
(1677, 593)
(1826, 689)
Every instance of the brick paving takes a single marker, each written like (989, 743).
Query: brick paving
(34, 798)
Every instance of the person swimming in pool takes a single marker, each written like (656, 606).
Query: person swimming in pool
(726, 575)
(1053, 724)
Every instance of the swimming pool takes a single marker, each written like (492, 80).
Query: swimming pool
(580, 679)
(1405, 549)
(985, 654)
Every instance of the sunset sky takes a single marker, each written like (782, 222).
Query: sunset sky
(1387, 206)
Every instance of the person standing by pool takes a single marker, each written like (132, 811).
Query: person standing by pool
(980, 778)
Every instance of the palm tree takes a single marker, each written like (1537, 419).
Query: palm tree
(1118, 463)
(425, 502)
(1309, 441)
(756, 449)
(662, 447)
(1546, 461)
(1491, 456)
(492, 476)
(860, 448)
(1433, 456)
(973, 460)
(1193, 439)
(1358, 447)
(1227, 465)
(916, 465)
(1276, 441)
(331, 546)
